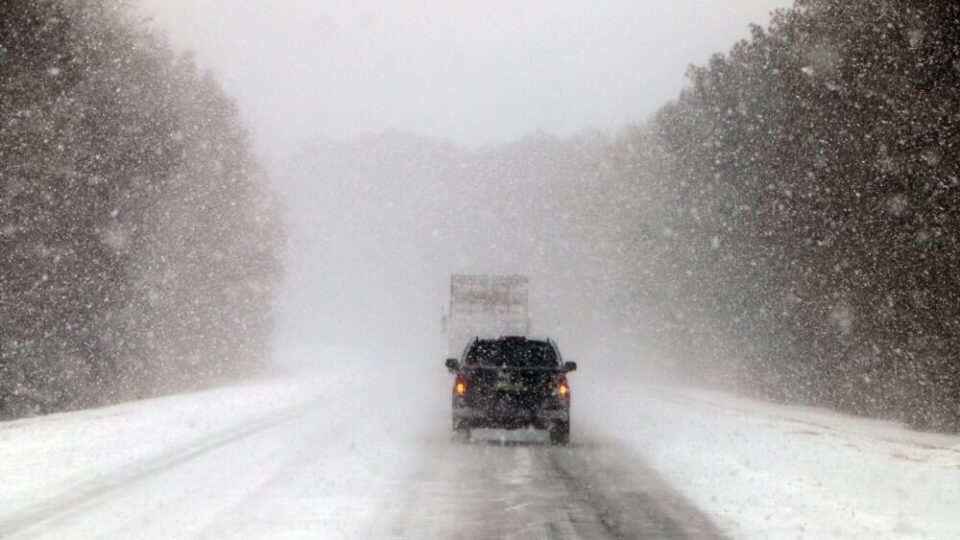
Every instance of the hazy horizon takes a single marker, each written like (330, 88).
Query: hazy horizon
(473, 72)
(371, 240)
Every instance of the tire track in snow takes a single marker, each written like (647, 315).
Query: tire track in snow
(507, 488)
(627, 499)
(98, 490)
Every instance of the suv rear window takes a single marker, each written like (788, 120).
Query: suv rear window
(512, 353)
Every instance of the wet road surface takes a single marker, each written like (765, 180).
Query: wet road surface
(517, 485)
(312, 472)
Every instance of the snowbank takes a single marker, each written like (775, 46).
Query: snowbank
(40, 456)
(770, 471)
(308, 454)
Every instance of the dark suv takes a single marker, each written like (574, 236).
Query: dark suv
(511, 383)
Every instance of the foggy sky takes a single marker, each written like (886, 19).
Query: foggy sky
(476, 72)
(369, 261)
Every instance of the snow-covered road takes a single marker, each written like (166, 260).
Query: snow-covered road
(519, 486)
(365, 452)
(289, 457)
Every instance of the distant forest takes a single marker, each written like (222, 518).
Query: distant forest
(801, 234)
(810, 187)
(788, 227)
(138, 243)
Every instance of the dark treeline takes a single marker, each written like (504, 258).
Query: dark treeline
(137, 240)
(788, 227)
(805, 245)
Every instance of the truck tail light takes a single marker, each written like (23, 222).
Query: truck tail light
(460, 386)
(563, 389)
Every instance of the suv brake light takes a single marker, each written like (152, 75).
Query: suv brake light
(460, 387)
(563, 389)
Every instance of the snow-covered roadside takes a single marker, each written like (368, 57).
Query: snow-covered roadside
(770, 471)
(307, 454)
(43, 455)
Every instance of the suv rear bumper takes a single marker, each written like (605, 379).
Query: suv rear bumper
(514, 419)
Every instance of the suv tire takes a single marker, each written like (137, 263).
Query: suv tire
(560, 433)
(461, 433)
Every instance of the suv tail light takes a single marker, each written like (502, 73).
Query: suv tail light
(460, 386)
(563, 389)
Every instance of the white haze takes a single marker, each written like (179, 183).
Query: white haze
(476, 71)
(368, 267)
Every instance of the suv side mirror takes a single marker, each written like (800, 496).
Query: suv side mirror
(569, 366)
(452, 364)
